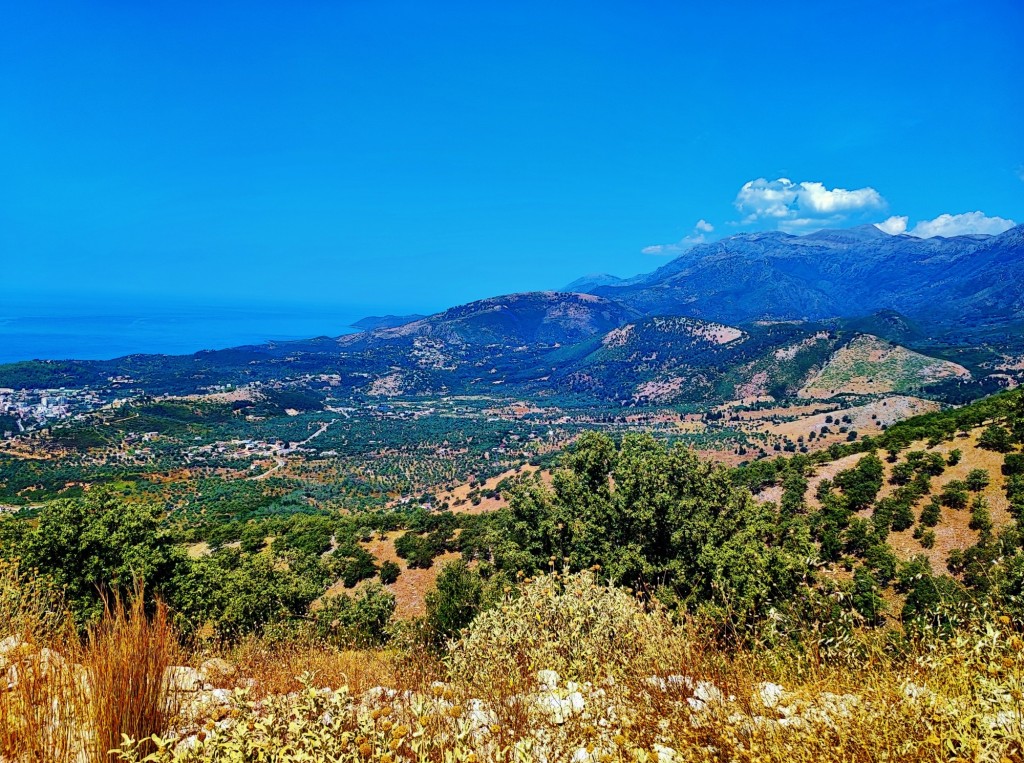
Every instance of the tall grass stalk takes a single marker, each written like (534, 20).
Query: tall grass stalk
(126, 658)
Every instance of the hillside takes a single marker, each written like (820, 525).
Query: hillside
(549, 318)
(371, 322)
(871, 366)
(950, 285)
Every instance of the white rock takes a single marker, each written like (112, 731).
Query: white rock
(187, 744)
(770, 694)
(548, 679)
(216, 669)
(8, 645)
(697, 705)
(665, 754)
(708, 692)
(179, 678)
(915, 691)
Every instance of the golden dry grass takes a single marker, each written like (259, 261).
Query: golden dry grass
(275, 668)
(125, 659)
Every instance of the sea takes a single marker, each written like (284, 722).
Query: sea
(60, 329)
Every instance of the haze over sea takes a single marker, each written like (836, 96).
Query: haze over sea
(57, 329)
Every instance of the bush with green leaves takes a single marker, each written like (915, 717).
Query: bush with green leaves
(861, 484)
(996, 437)
(653, 516)
(955, 495)
(459, 595)
(100, 546)
(573, 624)
(929, 599)
(865, 596)
(977, 480)
(981, 518)
(1013, 464)
(360, 621)
(239, 594)
(351, 564)
(931, 513)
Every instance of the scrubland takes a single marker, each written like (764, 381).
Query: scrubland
(565, 668)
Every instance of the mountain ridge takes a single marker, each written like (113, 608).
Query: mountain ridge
(836, 274)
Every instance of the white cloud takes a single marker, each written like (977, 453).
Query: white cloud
(959, 225)
(687, 242)
(816, 199)
(894, 226)
(799, 206)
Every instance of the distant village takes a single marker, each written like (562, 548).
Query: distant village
(23, 410)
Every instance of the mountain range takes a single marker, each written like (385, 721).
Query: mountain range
(947, 284)
(752, 314)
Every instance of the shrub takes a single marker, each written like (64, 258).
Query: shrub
(1013, 464)
(573, 625)
(100, 547)
(931, 513)
(954, 495)
(389, 572)
(977, 480)
(361, 621)
(981, 519)
(459, 596)
(653, 516)
(861, 484)
(903, 517)
(996, 437)
(352, 564)
(865, 597)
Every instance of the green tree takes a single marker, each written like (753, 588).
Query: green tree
(996, 437)
(459, 595)
(861, 484)
(239, 594)
(931, 513)
(902, 517)
(651, 516)
(100, 546)
(981, 519)
(361, 621)
(1013, 464)
(977, 480)
(954, 495)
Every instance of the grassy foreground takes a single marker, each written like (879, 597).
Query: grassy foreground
(565, 669)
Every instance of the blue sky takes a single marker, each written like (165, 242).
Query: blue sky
(417, 155)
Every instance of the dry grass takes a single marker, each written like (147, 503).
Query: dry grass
(37, 721)
(275, 668)
(66, 699)
(126, 657)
